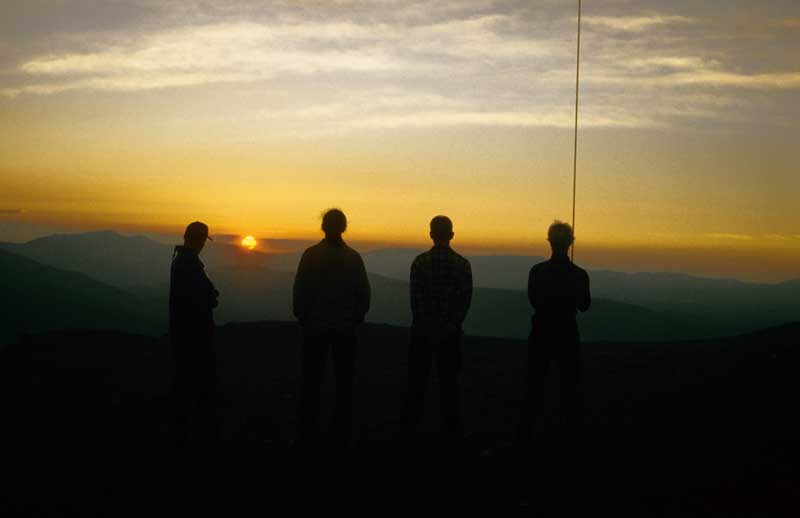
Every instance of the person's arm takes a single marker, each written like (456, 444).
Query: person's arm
(532, 288)
(211, 293)
(300, 290)
(466, 293)
(584, 299)
(363, 292)
(416, 292)
(202, 295)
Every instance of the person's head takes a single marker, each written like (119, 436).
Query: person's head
(334, 223)
(560, 236)
(441, 230)
(195, 236)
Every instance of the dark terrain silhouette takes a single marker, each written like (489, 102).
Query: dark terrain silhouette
(669, 429)
(441, 292)
(331, 295)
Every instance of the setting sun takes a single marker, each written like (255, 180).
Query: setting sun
(249, 242)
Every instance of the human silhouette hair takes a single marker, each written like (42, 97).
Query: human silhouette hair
(334, 222)
(560, 235)
(441, 228)
(195, 235)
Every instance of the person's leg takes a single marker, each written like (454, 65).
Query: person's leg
(344, 362)
(538, 364)
(181, 400)
(205, 420)
(448, 363)
(314, 353)
(570, 385)
(420, 357)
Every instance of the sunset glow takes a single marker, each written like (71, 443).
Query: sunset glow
(249, 242)
(398, 111)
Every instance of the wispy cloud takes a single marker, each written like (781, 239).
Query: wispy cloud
(10, 212)
(478, 63)
(634, 23)
(728, 236)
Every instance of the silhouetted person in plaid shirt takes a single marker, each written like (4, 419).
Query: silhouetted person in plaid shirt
(441, 292)
(557, 290)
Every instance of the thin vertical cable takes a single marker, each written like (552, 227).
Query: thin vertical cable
(575, 147)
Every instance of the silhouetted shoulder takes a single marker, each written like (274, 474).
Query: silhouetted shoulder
(421, 257)
(351, 252)
(580, 271)
(461, 259)
(539, 266)
(313, 250)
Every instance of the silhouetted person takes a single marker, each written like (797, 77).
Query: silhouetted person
(557, 290)
(192, 298)
(331, 297)
(441, 292)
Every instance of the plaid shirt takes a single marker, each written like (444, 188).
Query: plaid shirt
(441, 287)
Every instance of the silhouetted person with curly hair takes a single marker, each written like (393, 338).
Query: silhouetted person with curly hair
(441, 292)
(331, 297)
(192, 299)
(557, 290)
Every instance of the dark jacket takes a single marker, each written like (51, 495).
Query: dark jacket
(331, 289)
(192, 296)
(557, 290)
(441, 289)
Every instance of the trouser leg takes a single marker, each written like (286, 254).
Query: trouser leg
(205, 391)
(538, 366)
(194, 386)
(344, 359)
(314, 353)
(449, 362)
(182, 400)
(570, 387)
(420, 358)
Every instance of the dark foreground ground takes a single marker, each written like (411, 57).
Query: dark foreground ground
(682, 429)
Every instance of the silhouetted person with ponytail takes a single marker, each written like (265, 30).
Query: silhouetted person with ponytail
(331, 297)
(557, 290)
(441, 292)
(192, 298)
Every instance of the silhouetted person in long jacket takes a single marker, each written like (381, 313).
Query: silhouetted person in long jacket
(557, 290)
(192, 298)
(441, 293)
(331, 297)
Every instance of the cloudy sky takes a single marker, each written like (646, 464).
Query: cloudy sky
(255, 116)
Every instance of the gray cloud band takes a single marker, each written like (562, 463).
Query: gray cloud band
(484, 63)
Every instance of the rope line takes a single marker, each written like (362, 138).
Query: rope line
(575, 145)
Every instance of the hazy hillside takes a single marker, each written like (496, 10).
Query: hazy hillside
(757, 303)
(641, 306)
(38, 298)
(122, 261)
(256, 293)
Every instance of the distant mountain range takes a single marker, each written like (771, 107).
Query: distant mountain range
(39, 298)
(125, 286)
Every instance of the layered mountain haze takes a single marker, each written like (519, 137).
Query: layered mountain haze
(40, 298)
(130, 279)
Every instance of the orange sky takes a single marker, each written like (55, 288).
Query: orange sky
(256, 123)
